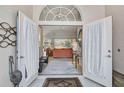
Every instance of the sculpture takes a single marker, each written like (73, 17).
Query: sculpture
(15, 76)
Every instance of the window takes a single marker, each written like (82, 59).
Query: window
(63, 43)
(60, 13)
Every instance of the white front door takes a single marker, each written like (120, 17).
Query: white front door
(27, 49)
(97, 51)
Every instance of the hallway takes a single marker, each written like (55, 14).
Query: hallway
(61, 66)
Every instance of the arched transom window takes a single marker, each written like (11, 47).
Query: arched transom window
(60, 13)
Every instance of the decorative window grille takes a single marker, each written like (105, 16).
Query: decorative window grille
(60, 13)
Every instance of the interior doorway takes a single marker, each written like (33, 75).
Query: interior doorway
(62, 45)
(61, 39)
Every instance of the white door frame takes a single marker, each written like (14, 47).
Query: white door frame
(63, 23)
(60, 23)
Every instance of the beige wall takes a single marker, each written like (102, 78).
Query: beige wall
(91, 12)
(8, 14)
(118, 36)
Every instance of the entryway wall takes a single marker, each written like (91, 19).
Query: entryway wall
(8, 14)
(117, 11)
(89, 12)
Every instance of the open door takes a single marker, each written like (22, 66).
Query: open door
(27, 49)
(97, 51)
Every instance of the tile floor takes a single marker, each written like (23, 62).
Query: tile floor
(61, 66)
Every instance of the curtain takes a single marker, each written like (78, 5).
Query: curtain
(93, 48)
(30, 49)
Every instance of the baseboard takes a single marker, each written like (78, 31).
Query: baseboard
(118, 73)
(118, 79)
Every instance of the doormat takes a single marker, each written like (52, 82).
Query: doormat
(62, 82)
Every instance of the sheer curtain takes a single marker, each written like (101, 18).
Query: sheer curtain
(28, 49)
(93, 48)
(31, 52)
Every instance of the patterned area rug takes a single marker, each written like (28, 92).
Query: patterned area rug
(62, 82)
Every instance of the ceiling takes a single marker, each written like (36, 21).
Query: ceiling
(50, 32)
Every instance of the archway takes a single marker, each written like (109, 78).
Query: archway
(56, 20)
(60, 13)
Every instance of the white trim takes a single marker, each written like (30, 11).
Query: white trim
(78, 23)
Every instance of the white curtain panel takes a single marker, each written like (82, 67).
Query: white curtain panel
(30, 49)
(93, 47)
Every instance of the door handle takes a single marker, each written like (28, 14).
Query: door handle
(109, 56)
(21, 57)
